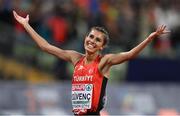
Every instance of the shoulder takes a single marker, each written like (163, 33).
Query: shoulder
(105, 59)
(76, 57)
(74, 53)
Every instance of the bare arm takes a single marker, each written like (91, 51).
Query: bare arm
(68, 55)
(124, 56)
(113, 59)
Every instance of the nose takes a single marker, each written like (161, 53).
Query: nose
(92, 40)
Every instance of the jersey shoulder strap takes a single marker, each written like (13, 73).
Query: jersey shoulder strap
(80, 60)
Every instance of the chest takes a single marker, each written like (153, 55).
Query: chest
(86, 73)
(86, 70)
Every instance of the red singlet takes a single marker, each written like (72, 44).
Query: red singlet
(88, 87)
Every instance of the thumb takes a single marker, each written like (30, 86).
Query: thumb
(15, 14)
(27, 17)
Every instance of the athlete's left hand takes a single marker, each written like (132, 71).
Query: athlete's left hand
(159, 31)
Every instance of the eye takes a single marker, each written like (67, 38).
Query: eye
(98, 39)
(91, 36)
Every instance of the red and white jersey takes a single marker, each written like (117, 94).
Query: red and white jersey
(88, 87)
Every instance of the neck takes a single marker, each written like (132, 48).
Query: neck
(90, 57)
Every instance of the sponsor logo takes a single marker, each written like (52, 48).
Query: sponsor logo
(88, 87)
(91, 71)
(80, 67)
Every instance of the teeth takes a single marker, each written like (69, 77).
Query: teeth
(91, 46)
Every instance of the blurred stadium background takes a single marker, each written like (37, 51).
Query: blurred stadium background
(33, 82)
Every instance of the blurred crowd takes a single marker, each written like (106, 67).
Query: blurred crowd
(65, 23)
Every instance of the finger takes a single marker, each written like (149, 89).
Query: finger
(15, 14)
(158, 28)
(164, 27)
(14, 11)
(27, 17)
(167, 32)
(161, 27)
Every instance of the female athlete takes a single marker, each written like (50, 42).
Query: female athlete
(91, 70)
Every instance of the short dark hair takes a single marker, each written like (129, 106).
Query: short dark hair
(104, 31)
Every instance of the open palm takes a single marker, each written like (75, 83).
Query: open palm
(161, 30)
(20, 19)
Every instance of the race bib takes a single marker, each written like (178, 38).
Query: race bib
(82, 96)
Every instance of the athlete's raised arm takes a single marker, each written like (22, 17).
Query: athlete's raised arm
(113, 59)
(124, 56)
(68, 55)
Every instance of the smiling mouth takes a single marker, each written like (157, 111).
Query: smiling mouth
(90, 45)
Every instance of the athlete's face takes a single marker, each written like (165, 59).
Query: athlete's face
(94, 41)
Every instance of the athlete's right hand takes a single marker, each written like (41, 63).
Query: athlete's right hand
(21, 19)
